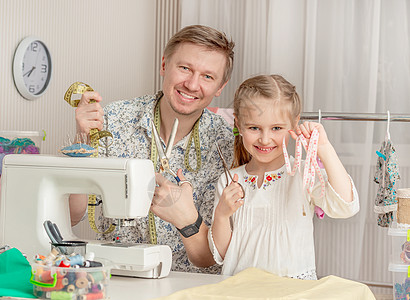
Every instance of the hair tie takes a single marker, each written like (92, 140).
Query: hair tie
(235, 131)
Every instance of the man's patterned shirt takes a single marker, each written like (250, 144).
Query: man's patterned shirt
(129, 123)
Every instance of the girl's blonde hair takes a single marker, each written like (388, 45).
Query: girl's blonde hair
(273, 87)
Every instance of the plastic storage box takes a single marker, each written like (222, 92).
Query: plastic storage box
(400, 252)
(401, 281)
(20, 142)
(51, 282)
(12, 142)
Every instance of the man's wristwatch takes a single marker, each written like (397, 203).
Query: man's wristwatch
(192, 229)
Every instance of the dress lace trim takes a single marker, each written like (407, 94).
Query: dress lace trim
(217, 257)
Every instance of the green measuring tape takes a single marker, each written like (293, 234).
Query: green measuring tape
(154, 155)
(95, 136)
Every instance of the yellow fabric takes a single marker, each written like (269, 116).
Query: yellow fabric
(254, 283)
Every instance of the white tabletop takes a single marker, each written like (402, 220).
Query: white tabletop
(141, 288)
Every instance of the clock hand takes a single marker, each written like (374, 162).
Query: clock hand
(28, 73)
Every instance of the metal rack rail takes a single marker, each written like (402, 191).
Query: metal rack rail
(314, 116)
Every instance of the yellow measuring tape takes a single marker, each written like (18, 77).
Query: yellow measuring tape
(154, 154)
(95, 136)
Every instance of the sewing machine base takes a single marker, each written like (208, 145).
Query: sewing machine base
(135, 260)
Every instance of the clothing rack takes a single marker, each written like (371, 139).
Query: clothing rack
(314, 116)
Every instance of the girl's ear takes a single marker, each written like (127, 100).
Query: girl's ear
(236, 126)
(236, 121)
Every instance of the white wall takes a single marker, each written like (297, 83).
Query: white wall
(106, 44)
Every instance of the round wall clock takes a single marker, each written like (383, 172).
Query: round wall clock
(32, 68)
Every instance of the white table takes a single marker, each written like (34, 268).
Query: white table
(141, 288)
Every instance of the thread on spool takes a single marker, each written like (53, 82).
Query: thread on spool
(81, 283)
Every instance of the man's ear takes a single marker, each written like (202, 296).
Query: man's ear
(218, 92)
(162, 70)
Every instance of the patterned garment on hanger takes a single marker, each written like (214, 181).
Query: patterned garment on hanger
(387, 173)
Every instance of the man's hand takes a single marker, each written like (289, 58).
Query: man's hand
(89, 115)
(173, 203)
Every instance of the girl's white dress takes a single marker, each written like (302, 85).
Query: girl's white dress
(273, 230)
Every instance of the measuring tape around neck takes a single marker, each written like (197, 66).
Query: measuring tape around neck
(154, 154)
(95, 136)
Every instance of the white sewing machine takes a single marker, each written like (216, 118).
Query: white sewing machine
(35, 188)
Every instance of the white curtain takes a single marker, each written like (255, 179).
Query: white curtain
(343, 56)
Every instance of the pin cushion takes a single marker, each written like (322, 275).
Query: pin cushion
(78, 150)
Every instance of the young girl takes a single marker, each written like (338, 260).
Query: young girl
(271, 227)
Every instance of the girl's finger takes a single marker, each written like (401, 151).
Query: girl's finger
(306, 130)
(238, 204)
(293, 134)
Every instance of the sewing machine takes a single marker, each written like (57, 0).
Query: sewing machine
(36, 188)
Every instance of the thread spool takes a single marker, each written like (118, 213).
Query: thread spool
(39, 257)
(71, 277)
(38, 271)
(60, 295)
(90, 278)
(64, 264)
(77, 260)
(82, 291)
(96, 288)
(71, 288)
(81, 274)
(403, 206)
(98, 276)
(92, 264)
(48, 276)
(93, 296)
(65, 281)
(50, 257)
(81, 282)
(59, 286)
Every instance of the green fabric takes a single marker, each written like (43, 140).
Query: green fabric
(15, 273)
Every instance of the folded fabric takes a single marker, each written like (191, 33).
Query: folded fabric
(254, 283)
(15, 273)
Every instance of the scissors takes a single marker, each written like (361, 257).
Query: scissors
(164, 156)
(226, 169)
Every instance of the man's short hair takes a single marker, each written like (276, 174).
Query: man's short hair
(207, 37)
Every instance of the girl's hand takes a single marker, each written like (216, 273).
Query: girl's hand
(307, 128)
(231, 199)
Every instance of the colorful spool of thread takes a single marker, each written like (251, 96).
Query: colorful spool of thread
(93, 296)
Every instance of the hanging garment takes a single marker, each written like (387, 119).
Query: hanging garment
(387, 173)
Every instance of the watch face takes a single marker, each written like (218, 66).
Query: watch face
(36, 68)
(191, 230)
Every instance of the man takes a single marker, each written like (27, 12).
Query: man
(196, 66)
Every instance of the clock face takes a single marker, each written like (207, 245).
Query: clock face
(36, 67)
(32, 68)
